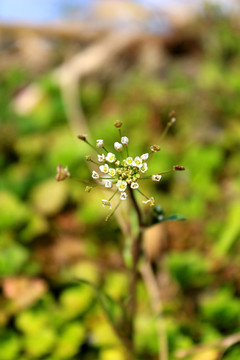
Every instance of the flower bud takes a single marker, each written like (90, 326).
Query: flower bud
(155, 148)
(118, 124)
(100, 143)
(62, 173)
(124, 140)
(88, 188)
(88, 157)
(82, 137)
(118, 146)
(106, 203)
(178, 168)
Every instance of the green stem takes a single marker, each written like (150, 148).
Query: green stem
(113, 195)
(161, 173)
(143, 194)
(105, 149)
(136, 252)
(93, 147)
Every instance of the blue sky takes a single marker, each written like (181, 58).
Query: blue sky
(48, 10)
(35, 11)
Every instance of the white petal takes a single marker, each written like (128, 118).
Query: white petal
(108, 184)
(104, 168)
(110, 157)
(118, 146)
(134, 185)
(145, 156)
(95, 175)
(123, 196)
(156, 177)
(100, 143)
(124, 140)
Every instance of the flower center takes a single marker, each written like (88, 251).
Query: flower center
(128, 173)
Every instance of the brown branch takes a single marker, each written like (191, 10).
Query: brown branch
(61, 30)
(96, 56)
(222, 344)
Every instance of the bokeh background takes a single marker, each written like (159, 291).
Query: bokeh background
(70, 67)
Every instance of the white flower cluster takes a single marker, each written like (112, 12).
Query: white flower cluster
(123, 173)
(119, 171)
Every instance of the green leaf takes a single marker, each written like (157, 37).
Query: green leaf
(41, 342)
(231, 232)
(36, 226)
(173, 217)
(12, 211)
(190, 269)
(75, 300)
(10, 345)
(110, 307)
(158, 216)
(70, 339)
(221, 309)
(12, 259)
(49, 197)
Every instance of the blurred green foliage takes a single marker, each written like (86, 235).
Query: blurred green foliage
(48, 230)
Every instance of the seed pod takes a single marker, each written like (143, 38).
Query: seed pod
(62, 173)
(118, 124)
(82, 137)
(155, 148)
(178, 168)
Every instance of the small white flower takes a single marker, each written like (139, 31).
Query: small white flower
(100, 143)
(101, 158)
(112, 171)
(138, 161)
(123, 196)
(129, 161)
(124, 140)
(134, 185)
(144, 168)
(118, 146)
(144, 157)
(121, 185)
(145, 201)
(110, 157)
(104, 168)
(108, 184)
(150, 201)
(106, 203)
(95, 175)
(156, 177)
